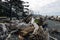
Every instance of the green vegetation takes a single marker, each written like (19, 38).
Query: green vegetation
(36, 21)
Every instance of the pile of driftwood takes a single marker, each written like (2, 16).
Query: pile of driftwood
(27, 30)
(22, 32)
(30, 32)
(27, 33)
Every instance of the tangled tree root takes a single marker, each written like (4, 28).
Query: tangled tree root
(39, 35)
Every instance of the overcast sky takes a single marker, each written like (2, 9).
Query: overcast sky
(36, 4)
(45, 7)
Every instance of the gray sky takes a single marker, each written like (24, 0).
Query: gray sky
(36, 4)
(45, 7)
(51, 9)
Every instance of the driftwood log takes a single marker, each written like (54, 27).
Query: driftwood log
(39, 35)
(25, 31)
